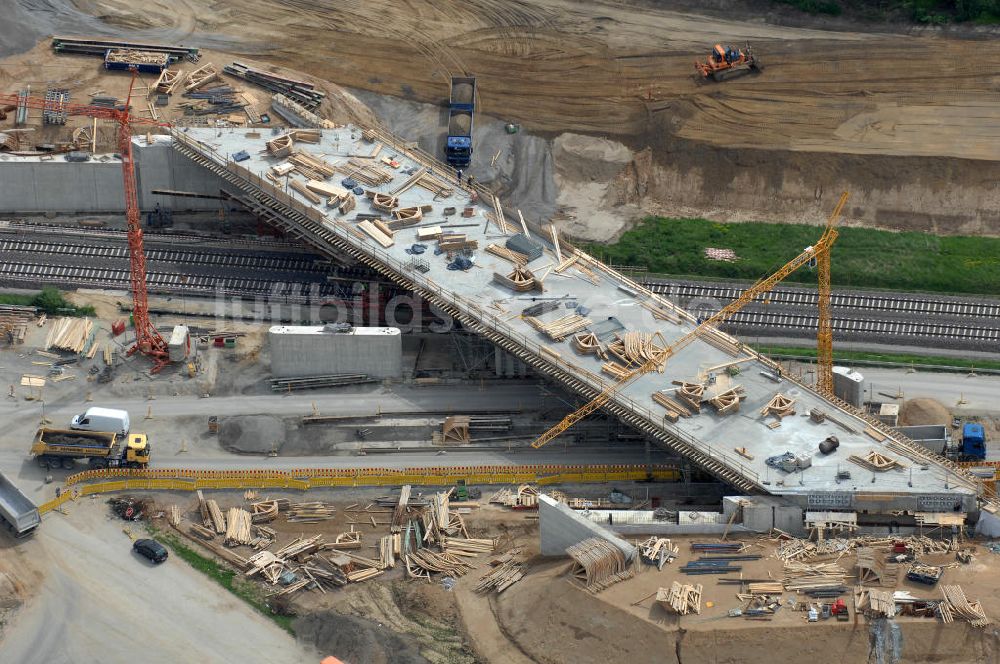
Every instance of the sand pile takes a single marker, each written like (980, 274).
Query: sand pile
(916, 412)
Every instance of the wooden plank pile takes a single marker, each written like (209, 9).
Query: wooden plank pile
(683, 599)
(524, 495)
(514, 257)
(310, 165)
(507, 570)
(634, 349)
(211, 515)
(780, 406)
(560, 328)
(424, 562)
(765, 588)
(238, 527)
(452, 242)
(874, 603)
(959, 605)
(366, 174)
(380, 235)
(675, 409)
(312, 512)
(804, 577)
(401, 511)
(598, 564)
(70, 334)
(876, 461)
(658, 551)
(468, 547)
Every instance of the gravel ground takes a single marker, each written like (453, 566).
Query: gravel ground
(100, 602)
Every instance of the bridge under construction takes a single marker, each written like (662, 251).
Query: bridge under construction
(716, 403)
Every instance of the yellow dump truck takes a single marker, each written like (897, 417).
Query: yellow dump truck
(58, 448)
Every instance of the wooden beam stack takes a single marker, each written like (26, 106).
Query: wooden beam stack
(683, 599)
(238, 530)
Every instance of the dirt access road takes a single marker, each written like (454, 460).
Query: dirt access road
(94, 600)
(563, 65)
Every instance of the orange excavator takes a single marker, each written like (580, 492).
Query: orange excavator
(725, 62)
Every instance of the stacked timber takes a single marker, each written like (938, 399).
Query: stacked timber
(514, 257)
(424, 562)
(803, 577)
(238, 527)
(313, 512)
(560, 328)
(524, 495)
(507, 570)
(311, 166)
(683, 599)
(70, 334)
(520, 279)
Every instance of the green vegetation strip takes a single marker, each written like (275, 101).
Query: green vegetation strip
(934, 12)
(50, 300)
(225, 577)
(861, 258)
(923, 361)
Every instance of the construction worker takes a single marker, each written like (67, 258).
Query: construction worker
(459, 173)
(471, 180)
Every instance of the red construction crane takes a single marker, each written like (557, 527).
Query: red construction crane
(147, 339)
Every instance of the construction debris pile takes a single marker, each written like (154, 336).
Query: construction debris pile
(426, 535)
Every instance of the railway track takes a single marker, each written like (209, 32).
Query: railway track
(216, 259)
(176, 265)
(910, 305)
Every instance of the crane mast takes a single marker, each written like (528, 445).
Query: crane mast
(814, 253)
(148, 340)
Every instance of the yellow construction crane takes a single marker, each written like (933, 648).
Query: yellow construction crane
(818, 252)
(824, 332)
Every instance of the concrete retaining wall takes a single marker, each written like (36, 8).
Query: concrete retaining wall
(308, 351)
(30, 185)
(560, 527)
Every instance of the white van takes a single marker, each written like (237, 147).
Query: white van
(102, 419)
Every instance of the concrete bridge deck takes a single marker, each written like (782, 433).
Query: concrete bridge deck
(708, 440)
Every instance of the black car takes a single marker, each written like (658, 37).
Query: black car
(151, 549)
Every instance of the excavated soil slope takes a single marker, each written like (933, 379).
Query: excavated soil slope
(909, 123)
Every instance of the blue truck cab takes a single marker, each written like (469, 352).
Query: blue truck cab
(461, 108)
(973, 442)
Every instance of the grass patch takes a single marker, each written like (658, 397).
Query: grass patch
(50, 300)
(828, 7)
(927, 12)
(225, 577)
(862, 257)
(892, 358)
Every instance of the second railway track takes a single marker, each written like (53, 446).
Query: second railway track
(241, 270)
